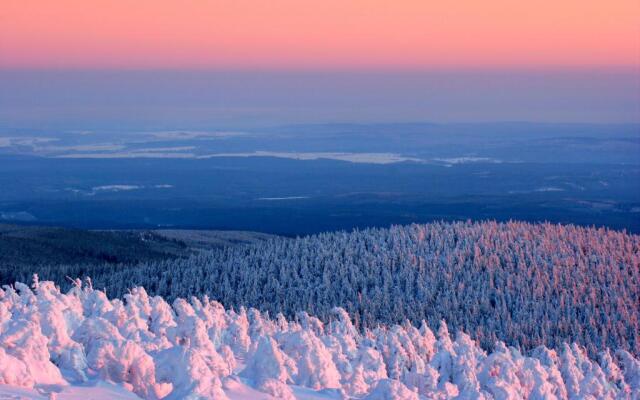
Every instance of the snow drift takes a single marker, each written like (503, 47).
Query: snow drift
(198, 350)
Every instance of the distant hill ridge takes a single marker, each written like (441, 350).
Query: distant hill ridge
(24, 247)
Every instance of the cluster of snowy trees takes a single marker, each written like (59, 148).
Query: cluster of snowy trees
(526, 284)
(197, 349)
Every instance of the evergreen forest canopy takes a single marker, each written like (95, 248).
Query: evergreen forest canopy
(525, 284)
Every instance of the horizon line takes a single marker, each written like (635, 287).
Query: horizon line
(333, 69)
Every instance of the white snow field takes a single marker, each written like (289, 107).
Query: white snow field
(82, 345)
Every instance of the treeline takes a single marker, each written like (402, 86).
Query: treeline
(526, 284)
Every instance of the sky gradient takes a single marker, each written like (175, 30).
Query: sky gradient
(206, 63)
(294, 34)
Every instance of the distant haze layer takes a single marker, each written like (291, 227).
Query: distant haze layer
(187, 99)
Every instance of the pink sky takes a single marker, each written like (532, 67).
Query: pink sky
(318, 34)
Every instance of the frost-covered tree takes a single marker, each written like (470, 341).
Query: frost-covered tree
(162, 351)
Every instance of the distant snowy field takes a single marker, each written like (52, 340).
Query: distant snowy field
(81, 345)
